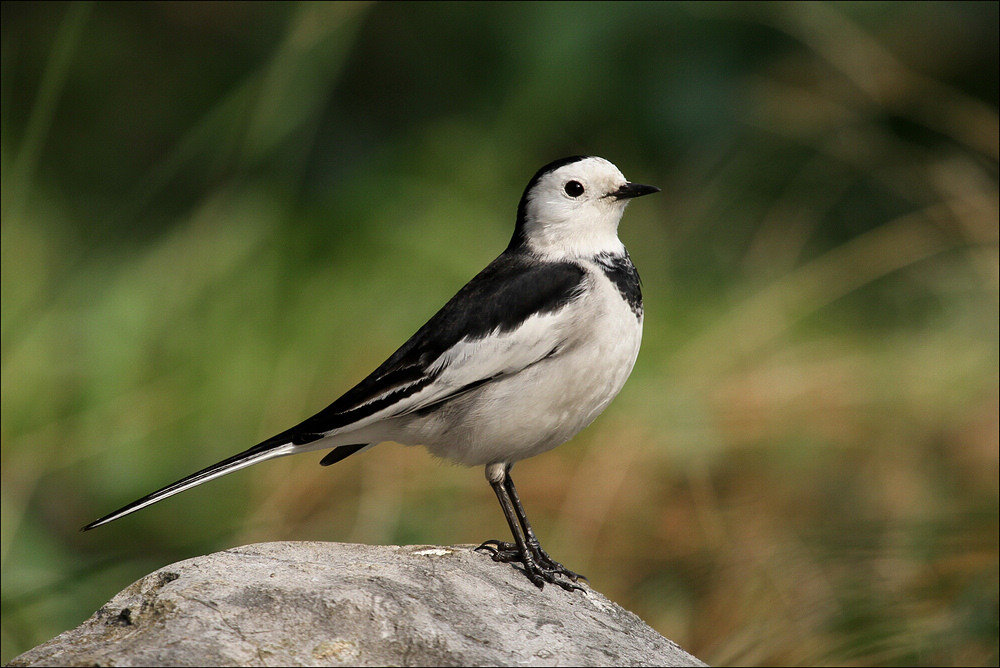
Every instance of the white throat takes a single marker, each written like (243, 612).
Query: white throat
(574, 210)
(576, 236)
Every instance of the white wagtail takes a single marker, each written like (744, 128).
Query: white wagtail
(527, 354)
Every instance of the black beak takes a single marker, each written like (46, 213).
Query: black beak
(630, 190)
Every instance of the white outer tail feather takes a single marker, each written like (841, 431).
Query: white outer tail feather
(195, 479)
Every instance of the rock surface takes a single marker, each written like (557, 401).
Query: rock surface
(327, 604)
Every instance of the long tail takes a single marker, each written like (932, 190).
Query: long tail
(258, 453)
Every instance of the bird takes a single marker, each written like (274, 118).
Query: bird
(529, 352)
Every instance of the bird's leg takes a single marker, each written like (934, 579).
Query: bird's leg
(541, 556)
(538, 566)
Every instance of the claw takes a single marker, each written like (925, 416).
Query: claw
(553, 566)
(496, 546)
(539, 566)
(501, 551)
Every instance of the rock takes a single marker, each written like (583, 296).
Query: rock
(332, 604)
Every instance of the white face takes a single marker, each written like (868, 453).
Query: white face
(570, 212)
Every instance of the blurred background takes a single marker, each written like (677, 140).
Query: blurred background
(217, 217)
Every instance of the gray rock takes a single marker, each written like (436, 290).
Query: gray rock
(331, 604)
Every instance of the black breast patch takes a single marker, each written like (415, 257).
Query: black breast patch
(622, 272)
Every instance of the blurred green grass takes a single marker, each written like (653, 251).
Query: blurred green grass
(217, 217)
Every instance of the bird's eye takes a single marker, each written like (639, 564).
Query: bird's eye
(573, 188)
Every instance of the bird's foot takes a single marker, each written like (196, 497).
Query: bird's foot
(538, 565)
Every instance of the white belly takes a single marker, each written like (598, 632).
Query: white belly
(542, 406)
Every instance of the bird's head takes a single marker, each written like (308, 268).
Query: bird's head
(572, 206)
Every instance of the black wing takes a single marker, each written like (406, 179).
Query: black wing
(511, 289)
